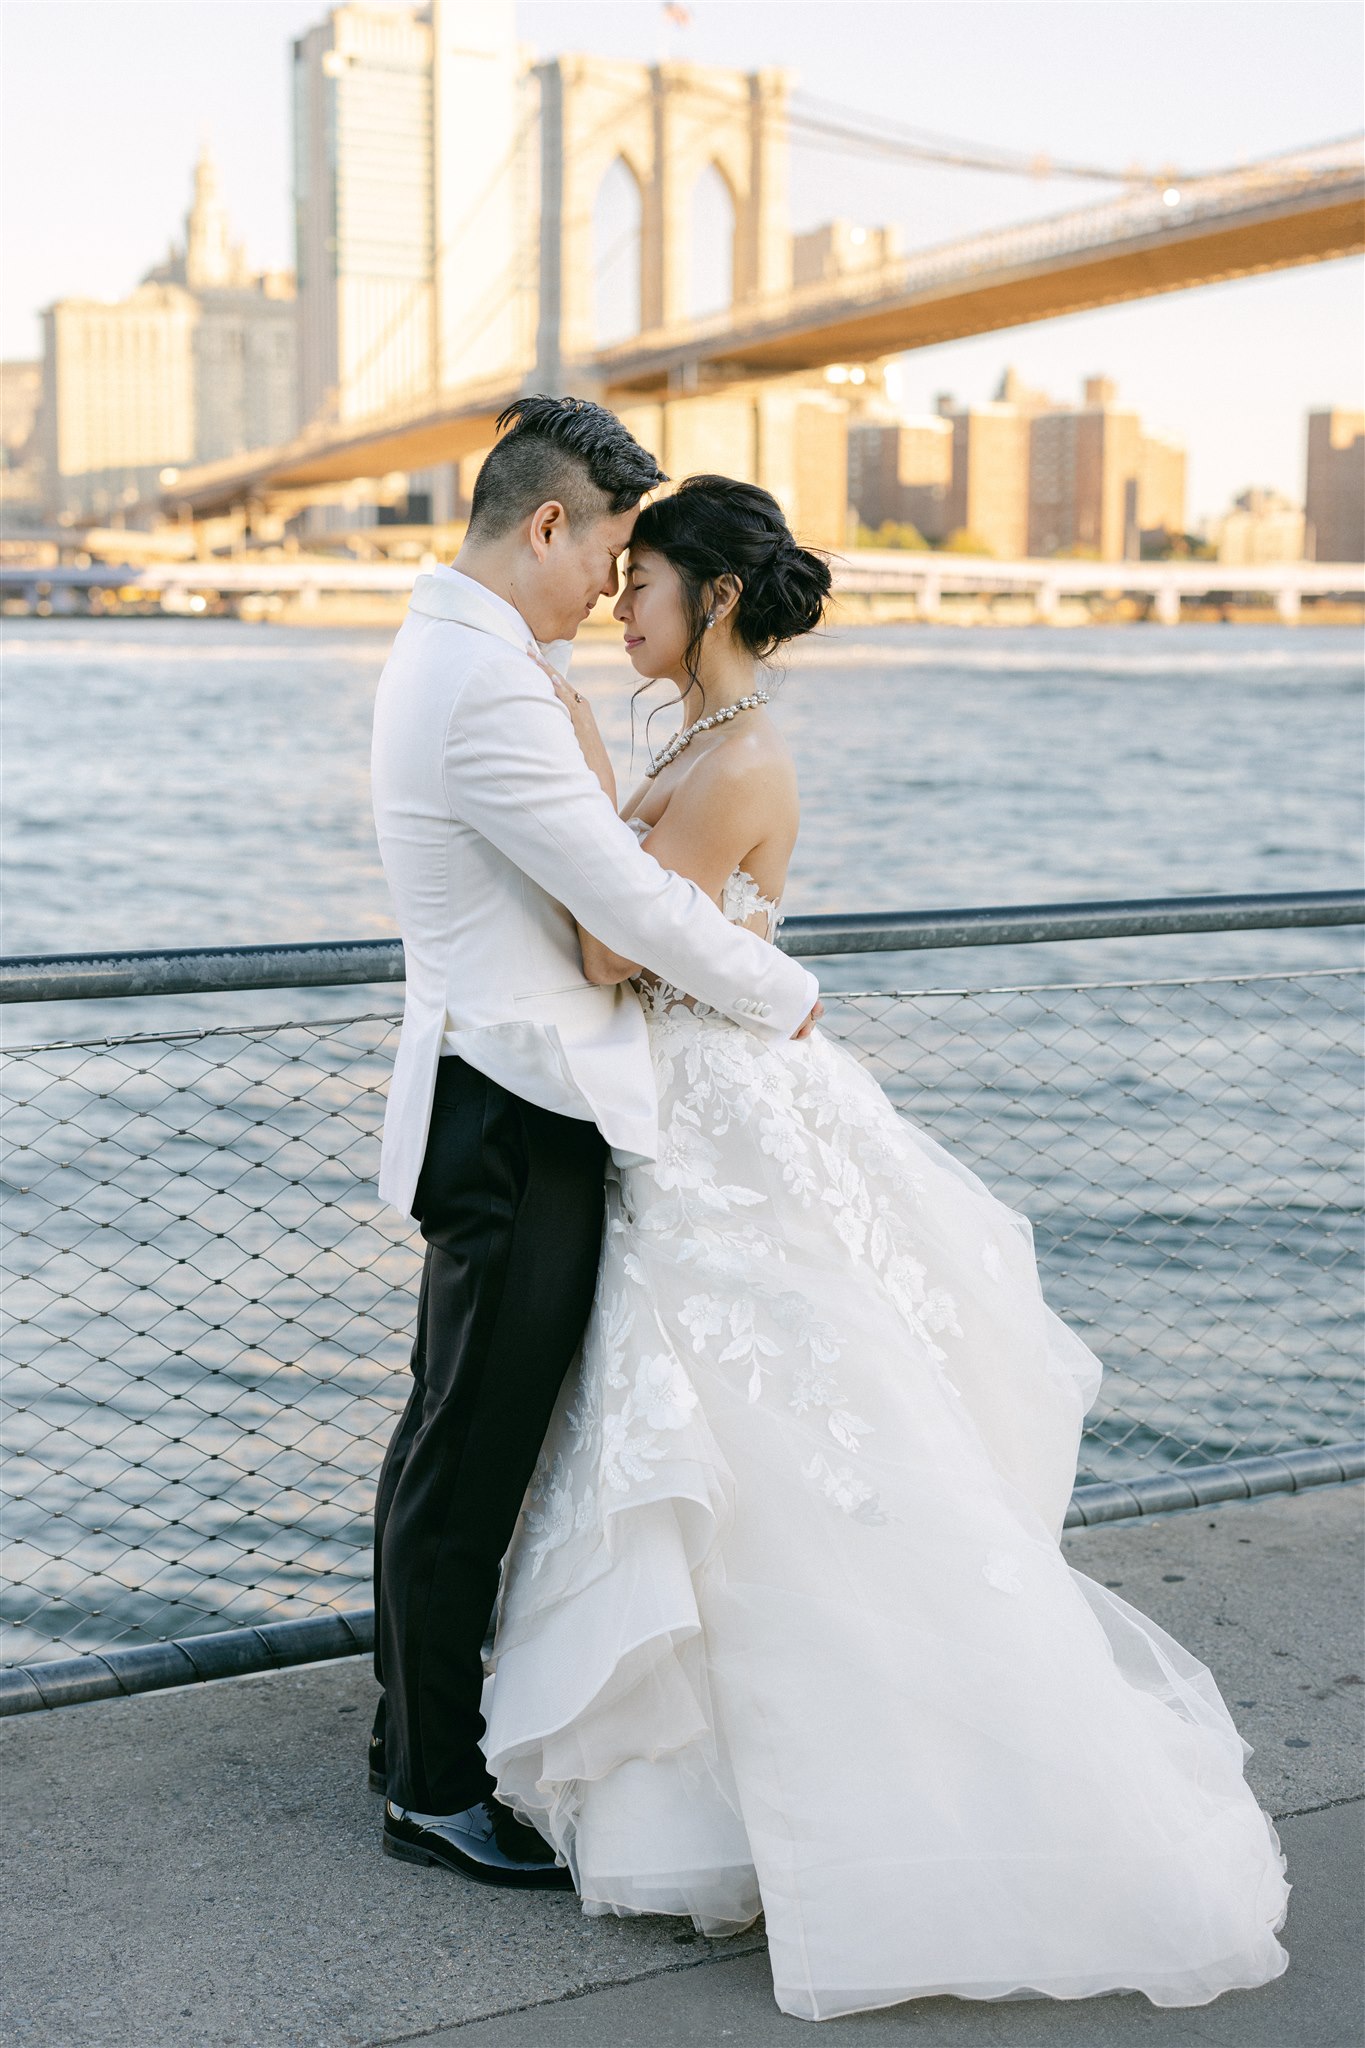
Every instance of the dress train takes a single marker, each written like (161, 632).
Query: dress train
(786, 1626)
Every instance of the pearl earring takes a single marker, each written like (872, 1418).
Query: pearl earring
(710, 620)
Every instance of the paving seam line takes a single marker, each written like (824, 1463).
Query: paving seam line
(1324, 1806)
(503, 2012)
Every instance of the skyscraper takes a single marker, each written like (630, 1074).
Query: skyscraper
(118, 398)
(1020, 474)
(244, 371)
(415, 224)
(988, 496)
(21, 385)
(1259, 526)
(901, 471)
(1161, 483)
(1334, 506)
(196, 364)
(1098, 481)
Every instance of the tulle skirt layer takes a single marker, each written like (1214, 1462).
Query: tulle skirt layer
(786, 1627)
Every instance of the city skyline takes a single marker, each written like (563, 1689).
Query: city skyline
(1238, 399)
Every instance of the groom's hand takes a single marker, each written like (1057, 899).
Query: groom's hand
(805, 1030)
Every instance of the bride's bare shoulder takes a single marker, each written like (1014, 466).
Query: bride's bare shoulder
(755, 756)
(749, 764)
(747, 782)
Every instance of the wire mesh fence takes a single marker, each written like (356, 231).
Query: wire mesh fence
(209, 1312)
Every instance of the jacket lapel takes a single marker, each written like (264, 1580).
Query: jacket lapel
(440, 595)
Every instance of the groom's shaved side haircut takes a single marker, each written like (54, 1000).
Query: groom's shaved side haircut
(567, 449)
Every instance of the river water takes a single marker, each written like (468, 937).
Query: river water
(206, 782)
(211, 1378)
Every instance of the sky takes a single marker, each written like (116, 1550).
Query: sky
(105, 103)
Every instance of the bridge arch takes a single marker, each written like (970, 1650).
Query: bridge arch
(671, 125)
(713, 220)
(618, 239)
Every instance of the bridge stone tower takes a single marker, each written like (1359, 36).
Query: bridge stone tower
(668, 124)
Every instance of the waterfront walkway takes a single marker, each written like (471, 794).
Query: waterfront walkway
(202, 1867)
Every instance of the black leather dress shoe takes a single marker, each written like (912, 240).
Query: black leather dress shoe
(379, 1767)
(486, 1842)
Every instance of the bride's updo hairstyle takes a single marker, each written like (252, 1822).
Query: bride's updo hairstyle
(713, 526)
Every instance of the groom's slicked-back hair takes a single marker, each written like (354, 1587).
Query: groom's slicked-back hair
(563, 448)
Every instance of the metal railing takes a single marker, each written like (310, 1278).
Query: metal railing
(210, 1313)
(212, 970)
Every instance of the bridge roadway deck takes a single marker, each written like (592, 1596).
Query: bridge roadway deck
(1305, 207)
(202, 1867)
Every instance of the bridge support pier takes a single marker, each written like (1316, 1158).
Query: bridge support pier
(1166, 609)
(928, 599)
(1045, 602)
(1288, 604)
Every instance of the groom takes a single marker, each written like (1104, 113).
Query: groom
(515, 1076)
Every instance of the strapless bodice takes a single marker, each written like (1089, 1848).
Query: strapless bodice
(740, 897)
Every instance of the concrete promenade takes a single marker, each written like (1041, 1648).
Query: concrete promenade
(201, 1869)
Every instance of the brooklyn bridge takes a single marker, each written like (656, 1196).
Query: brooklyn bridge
(414, 368)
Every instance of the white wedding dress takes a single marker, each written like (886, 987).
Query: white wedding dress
(786, 1627)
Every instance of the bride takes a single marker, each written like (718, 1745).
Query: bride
(785, 1626)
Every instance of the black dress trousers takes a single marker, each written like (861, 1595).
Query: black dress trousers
(510, 1203)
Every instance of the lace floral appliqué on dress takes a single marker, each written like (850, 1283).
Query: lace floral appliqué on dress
(788, 1579)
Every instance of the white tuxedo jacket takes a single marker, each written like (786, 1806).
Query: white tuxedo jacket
(495, 835)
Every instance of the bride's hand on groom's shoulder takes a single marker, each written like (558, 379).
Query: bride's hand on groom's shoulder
(584, 724)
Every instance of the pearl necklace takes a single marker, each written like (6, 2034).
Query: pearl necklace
(689, 733)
